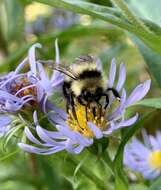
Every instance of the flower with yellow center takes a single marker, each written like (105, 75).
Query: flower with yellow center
(75, 130)
(83, 115)
(155, 159)
(144, 158)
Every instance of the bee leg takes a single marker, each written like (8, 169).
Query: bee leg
(107, 100)
(100, 107)
(73, 107)
(94, 111)
(115, 93)
(86, 113)
(67, 106)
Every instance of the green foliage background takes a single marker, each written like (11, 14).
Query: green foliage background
(128, 30)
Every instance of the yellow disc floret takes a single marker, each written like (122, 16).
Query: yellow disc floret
(155, 159)
(83, 115)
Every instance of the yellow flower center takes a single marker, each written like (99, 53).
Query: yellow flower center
(83, 115)
(155, 159)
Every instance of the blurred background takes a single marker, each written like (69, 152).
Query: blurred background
(23, 23)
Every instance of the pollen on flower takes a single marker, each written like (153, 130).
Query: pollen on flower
(85, 114)
(22, 87)
(155, 159)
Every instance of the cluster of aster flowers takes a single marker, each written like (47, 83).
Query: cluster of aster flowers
(28, 92)
(23, 91)
(59, 19)
(73, 136)
(145, 157)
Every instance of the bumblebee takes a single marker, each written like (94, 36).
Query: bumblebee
(84, 83)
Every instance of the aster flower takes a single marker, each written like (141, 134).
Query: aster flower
(63, 19)
(74, 135)
(19, 90)
(144, 157)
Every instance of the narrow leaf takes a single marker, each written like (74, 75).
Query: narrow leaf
(156, 185)
(150, 102)
(152, 59)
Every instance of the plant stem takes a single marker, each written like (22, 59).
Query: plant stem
(3, 44)
(33, 165)
(90, 175)
(106, 158)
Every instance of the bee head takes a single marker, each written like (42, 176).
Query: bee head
(90, 96)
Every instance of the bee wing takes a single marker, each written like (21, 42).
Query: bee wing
(66, 70)
(61, 68)
(84, 58)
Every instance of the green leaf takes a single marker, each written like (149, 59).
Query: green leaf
(152, 59)
(9, 155)
(129, 15)
(156, 185)
(49, 176)
(120, 179)
(147, 9)
(97, 11)
(15, 20)
(101, 185)
(150, 102)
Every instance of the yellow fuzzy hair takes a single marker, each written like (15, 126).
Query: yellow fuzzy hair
(90, 84)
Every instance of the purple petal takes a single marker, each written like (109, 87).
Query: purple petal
(4, 120)
(43, 75)
(57, 77)
(128, 122)
(31, 57)
(145, 138)
(31, 137)
(44, 136)
(32, 149)
(21, 65)
(112, 73)
(55, 134)
(57, 57)
(154, 143)
(118, 125)
(158, 136)
(66, 132)
(118, 111)
(55, 118)
(122, 77)
(97, 132)
(52, 107)
(138, 93)
(84, 141)
(151, 173)
(73, 148)
(35, 118)
(99, 64)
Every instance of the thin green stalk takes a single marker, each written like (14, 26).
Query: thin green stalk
(130, 16)
(106, 158)
(3, 44)
(90, 175)
(3, 158)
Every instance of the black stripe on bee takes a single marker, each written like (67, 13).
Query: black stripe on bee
(90, 74)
